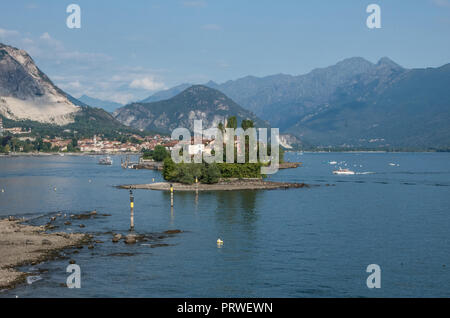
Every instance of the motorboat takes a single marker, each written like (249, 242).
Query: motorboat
(107, 161)
(344, 172)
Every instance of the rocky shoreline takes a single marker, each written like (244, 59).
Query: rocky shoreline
(22, 244)
(289, 165)
(224, 185)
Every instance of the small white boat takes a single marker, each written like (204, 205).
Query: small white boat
(105, 161)
(344, 172)
(333, 162)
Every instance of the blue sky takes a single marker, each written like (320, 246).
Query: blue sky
(127, 50)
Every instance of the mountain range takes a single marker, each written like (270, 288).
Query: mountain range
(195, 102)
(354, 103)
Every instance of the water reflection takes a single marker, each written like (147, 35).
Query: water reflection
(234, 202)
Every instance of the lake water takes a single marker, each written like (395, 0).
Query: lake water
(314, 242)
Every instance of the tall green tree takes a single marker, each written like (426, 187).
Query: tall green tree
(160, 153)
(211, 173)
(232, 122)
(221, 127)
(247, 123)
(169, 169)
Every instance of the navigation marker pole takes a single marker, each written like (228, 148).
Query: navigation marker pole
(131, 211)
(196, 185)
(196, 190)
(171, 195)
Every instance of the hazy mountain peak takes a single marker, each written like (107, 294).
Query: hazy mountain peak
(354, 60)
(202, 91)
(197, 89)
(211, 84)
(166, 94)
(195, 102)
(385, 61)
(352, 65)
(107, 105)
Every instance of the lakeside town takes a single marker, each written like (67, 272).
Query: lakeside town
(24, 140)
(18, 139)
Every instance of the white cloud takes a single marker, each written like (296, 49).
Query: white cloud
(121, 98)
(4, 33)
(27, 41)
(58, 51)
(75, 84)
(223, 64)
(147, 83)
(45, 36)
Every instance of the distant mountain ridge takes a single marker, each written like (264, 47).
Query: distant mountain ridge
(195, 102)
(352, 104)
(408, 109)
(166, 94)
(107, 105)
(281, 96)
(321, 107)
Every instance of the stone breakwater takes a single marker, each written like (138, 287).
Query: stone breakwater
(228, 185)
(22, 244)
(289, 165)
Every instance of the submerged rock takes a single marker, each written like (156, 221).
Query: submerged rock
(116, 238)
(130, 239)
(172, 232)
(122, 254)
(159, 245)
